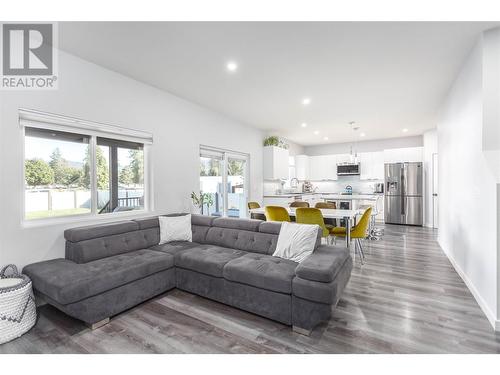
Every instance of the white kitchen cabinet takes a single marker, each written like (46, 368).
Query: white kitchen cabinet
(343, 158)
(378, 172)
(275, 163)
(330, 167)
(401, 155)
(365, 166)
(315, 168)
(371, 165)
(414, 154)
(302, 167)
(322, 168)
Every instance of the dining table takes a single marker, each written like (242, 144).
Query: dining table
(349, 216)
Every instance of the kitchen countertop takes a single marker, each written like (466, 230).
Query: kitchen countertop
(330, 195)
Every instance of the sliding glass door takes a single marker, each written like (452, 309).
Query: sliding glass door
(223, 182)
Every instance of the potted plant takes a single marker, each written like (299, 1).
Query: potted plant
(201, 200)
(275, 141)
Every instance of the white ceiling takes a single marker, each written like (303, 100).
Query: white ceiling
(385, 76)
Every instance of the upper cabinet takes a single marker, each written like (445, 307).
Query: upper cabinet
(401, 155)
(343, 158)
(371, 165)
(302, 167)
(322, 168)
(276, 163)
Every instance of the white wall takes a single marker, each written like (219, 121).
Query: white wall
(364, 146)
(430, 148)
(467, 189)
(93, 93)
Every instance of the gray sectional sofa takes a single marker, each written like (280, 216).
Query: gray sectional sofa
(110, 268)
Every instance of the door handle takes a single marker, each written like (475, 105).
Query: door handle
(403, 211)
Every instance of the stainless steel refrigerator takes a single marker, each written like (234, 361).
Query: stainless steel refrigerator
(403, 200)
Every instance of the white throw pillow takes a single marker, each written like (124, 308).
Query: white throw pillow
(296, 241)
(175, 228)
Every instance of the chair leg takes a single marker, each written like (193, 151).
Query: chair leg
(361, 252)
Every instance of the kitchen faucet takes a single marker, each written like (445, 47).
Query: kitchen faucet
(294, 183)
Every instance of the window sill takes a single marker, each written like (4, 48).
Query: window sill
(85, 219)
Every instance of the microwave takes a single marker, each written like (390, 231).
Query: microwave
(347, 169)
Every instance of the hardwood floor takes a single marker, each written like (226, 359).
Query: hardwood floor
(407, 298)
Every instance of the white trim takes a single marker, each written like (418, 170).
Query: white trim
(475, 293)
(86, 218)
(94, 192)
(44, 120)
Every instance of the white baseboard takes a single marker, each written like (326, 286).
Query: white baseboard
(475, 293)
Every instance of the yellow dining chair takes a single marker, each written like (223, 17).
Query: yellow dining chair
(251, 206)
(305, 215)
(330, 223)
(276, 213)
(299, 204)
(330, 205)
(357, 233)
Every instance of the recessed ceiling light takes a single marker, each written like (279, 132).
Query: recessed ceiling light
(325, 138)
(316, 132)
(232, 66)
(362, 134)
(304, 125)
(306, 101)
(405, 130)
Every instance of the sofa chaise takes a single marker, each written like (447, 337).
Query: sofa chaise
(112, 267)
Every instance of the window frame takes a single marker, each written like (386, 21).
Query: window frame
(36, 119)
(224, 155)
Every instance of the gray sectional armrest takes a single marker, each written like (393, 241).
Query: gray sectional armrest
(323, 264)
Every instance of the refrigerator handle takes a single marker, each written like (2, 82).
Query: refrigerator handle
(403, 187)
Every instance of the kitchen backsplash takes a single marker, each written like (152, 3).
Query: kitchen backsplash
(338, 186)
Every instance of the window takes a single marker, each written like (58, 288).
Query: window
(120, 175)
(72, 170)
(219, 168)
(56, 170)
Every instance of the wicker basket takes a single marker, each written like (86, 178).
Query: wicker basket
(17, 304)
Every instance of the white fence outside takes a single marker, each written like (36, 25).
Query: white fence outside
(53, 199)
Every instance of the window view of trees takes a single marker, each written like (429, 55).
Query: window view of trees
(58, 173)
(212, 167)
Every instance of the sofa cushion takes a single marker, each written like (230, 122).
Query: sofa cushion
(323, 292)
(254, 242)
(235, 223)
(202, 220)
(174, 247)
(66, 282)
(207, 259)
(100, 230)
(103, 247)
(323, 264)
(262, 271)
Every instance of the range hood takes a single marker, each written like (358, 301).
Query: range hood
(348, 169)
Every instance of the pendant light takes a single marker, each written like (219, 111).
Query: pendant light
(354, 151)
